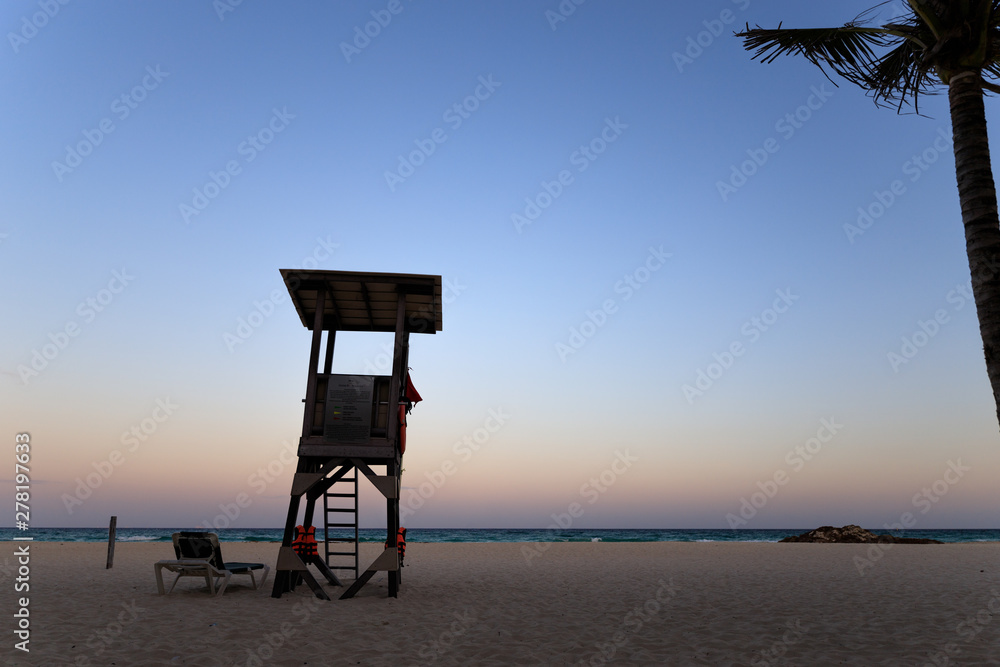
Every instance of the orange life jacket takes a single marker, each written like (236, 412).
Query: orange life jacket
(305, 541)
(400, 544)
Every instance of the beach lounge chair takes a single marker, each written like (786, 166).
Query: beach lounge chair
(199, 555)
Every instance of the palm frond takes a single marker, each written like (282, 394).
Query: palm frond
(901, 59)
(992, 65)
(846, 50)
(901, 74)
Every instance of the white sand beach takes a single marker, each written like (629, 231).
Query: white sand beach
(574, 603)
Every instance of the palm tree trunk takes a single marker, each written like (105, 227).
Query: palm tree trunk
(978, 196)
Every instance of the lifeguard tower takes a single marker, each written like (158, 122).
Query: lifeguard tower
(352, 423)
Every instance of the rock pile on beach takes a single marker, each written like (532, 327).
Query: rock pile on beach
(853, 535)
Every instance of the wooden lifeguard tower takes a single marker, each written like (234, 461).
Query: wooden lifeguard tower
(352, 422)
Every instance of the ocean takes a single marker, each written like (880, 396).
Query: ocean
(484, 535)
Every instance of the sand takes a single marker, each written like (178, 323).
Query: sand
(577, 603)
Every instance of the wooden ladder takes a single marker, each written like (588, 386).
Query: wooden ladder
(336, 517)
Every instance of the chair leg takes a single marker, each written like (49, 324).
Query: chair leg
(253, 579)
(225, 582)
(158, 570)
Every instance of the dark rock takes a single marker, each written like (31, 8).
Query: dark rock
(853, 535)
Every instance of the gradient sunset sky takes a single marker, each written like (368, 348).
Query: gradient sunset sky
(668, 268)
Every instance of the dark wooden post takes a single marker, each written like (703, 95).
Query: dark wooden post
(111, 542)
(331, 338)
(392, 467)
(317, 339)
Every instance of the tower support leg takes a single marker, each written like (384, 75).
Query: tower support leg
(392, 525)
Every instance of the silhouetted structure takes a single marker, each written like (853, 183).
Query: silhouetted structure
(352, 423)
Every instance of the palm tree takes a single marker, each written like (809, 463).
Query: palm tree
(953, 43)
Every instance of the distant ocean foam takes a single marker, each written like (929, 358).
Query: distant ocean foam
(122, 538)
(482, 535)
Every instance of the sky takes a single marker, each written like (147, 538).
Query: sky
(682, 289)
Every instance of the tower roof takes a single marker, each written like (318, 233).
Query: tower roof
(358, 301)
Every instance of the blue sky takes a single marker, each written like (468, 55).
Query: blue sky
(300, 143)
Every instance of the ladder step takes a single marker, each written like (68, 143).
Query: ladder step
(341, 553)
(341, 525)
(340, 509)
(340, 495)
